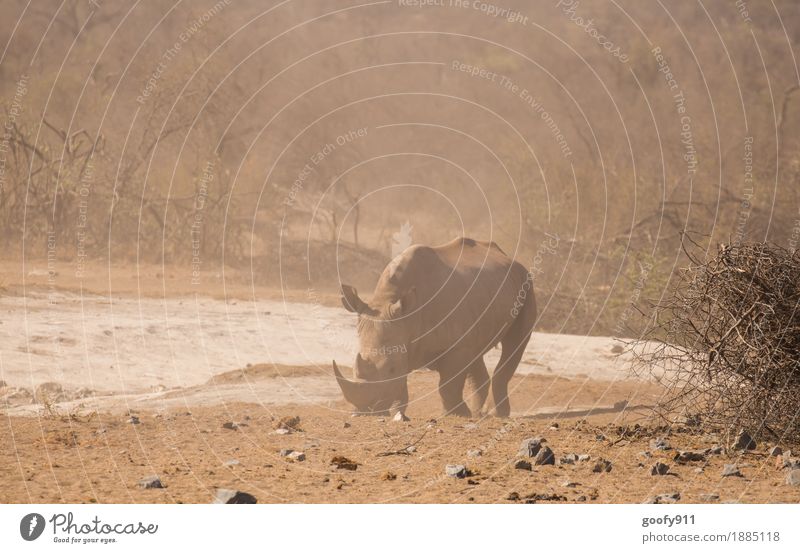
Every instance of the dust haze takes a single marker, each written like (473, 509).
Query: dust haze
(184, 188)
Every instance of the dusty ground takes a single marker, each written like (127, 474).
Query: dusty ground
(82, 456)
(111, 345)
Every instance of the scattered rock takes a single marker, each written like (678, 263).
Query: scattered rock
(439, 431)
(133, 420)
(341, 462)
(569, 459)
(731, 470)
(660, 444)
(616, 348)
(659, 469)
(231, 463)
(513, 496)
(530, 446)
(744, 441)
(554, 426)
(283, 431)
(716, 450)
(708, 497)
(297, 456)
(663, 498)
(789, 463)
(602, 465)
(346, 424)
(151, 482)
(231, 497)
(470, 426)
(689, 456)
(569, 484)
(522, 464)
(230, 426)
(456, 471)
(285, 452)
(387, 476)
(793, 477)
(289, 423)
(776, 451)
(545, 457)
(400, 417)
(474, 453)
(411, 448)
(582, 458)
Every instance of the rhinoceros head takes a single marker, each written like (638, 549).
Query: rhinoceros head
(381, 366)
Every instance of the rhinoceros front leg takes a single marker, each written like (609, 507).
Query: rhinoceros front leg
(451, 390)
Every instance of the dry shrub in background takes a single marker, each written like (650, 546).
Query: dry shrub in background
(726, 341)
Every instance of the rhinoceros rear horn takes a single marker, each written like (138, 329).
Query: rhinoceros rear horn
(357, 393)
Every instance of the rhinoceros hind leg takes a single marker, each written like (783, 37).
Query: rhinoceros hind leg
(506, 367)
(479, 381)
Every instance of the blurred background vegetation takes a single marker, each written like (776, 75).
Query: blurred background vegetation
(229, 133)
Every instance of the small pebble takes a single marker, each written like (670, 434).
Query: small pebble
(522, 464)
(456, 471)
(545, 457)
(659, 469)
(602, 465)
(744, 441)
(151, 482)
(793, 477)
(731, 470)
(233, 497)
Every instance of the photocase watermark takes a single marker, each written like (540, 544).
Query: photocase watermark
(31, 526)
(65, 529)
(196, 225)
(51, 267)
(744, 12)
(317, 158)
(548, 246)
(679, 101)
(747, 192)
(523, 94)
(84, 191)
(570, 9)
(172, 52)
(488, 9)
(13, 113)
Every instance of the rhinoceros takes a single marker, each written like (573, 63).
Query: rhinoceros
(441, 308)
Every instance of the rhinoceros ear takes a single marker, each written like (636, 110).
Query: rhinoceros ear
(404, 305)
(351, 301)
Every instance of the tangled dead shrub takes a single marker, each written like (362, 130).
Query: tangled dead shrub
(726, 341)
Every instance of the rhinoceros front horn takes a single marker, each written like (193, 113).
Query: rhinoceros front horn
(357, 393)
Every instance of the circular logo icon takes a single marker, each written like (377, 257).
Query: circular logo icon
(31, 526)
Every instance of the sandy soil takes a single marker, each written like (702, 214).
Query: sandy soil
(76, 363)
(85, 456)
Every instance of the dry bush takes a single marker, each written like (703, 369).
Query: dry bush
(729, 340)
